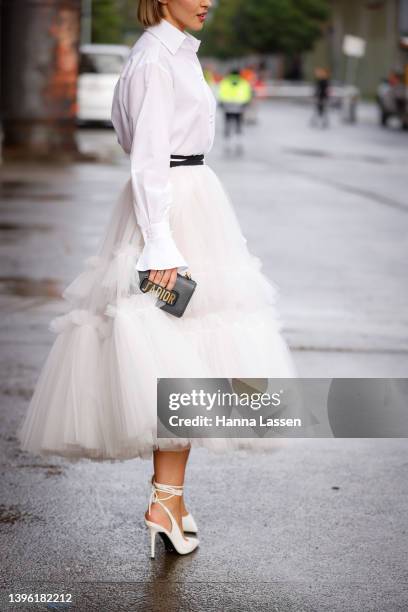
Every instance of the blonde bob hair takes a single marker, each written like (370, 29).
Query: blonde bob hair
(149, 12)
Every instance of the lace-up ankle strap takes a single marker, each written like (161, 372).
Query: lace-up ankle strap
(173, 489)
(165, 488)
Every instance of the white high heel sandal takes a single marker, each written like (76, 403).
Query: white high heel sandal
(188, 522)
(174, 538)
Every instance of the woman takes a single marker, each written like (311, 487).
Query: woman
(96, 396)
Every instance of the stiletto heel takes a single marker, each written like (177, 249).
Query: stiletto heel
(173, 538)
(152, 541)
(188, 522)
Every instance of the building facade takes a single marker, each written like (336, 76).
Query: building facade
(383, 24)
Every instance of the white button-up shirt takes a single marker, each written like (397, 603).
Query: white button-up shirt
(162, 105)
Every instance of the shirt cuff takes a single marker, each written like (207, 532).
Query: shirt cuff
(160, 251)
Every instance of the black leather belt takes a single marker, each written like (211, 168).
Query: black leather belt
(186, 160)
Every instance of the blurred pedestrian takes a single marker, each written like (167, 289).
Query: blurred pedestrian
(399, 89)
(234, 95)
(321, 97)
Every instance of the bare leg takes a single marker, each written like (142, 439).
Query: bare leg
(169, 468)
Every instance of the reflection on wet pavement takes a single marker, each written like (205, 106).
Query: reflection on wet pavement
(24, 286)
(374, 159)
(32, 227)
(33, 190)
(13, 514)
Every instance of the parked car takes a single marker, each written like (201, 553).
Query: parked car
(99, 69)
(392, 99)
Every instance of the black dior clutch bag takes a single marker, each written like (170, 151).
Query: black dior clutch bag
(175, 301)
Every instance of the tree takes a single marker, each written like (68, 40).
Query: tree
(287, 26)
(114, 21)
(220, 37)
(270, 26)
(107, 21)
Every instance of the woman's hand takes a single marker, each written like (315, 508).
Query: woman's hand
(164, 278)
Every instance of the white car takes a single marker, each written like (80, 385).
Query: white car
(99, 69)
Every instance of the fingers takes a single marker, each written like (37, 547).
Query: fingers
(172, 280)
(164, 278)
(155, 276)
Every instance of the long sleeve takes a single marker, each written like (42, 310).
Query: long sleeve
(150, 108)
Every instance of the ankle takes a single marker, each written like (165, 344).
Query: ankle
(173, 503)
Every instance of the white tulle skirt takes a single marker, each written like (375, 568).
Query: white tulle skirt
(96, 394)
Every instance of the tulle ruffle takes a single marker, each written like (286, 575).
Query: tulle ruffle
(96, 394)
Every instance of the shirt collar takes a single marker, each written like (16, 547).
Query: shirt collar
(172, 37)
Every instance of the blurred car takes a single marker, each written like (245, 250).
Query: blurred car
(99, 69)
(392, 100)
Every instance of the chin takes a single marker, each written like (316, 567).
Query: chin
(197, 28)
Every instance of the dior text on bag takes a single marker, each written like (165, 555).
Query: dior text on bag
(173, 301)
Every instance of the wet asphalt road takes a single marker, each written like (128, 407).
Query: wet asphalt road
(316, 525)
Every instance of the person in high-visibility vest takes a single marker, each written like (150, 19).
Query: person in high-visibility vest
(234, 95)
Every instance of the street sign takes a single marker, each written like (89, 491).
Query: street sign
(354, 46)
